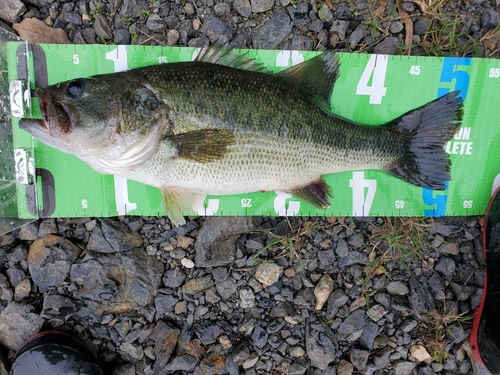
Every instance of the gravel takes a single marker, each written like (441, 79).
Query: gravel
(148, 298)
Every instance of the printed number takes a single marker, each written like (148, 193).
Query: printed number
(467, 204)
(84, 203)
(280, 205)
(494, 73)
(119, 58)
(376, 70)
(246, 202)
(399, 204)
(451, 71)
(162, 59)
(361, 205)
(415, 70)
(438, 201)
(76, 59)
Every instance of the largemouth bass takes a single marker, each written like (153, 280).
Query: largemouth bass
(223, 125)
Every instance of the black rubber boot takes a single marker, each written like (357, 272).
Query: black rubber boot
(54, 353)
(485, 335)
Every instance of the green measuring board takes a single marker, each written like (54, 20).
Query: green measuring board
(371, 89)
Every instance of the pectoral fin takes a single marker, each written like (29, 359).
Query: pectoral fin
(176, 201)
(318, 193)
(202, 145)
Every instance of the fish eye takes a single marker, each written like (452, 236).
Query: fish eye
(75, 88)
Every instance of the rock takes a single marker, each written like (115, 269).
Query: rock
(112, 237)
(397, 288)
(489, 19)
(339, 28)
(299, 13)
(396, 27)
(251, 361)
(222, 9)
(47, 226)
(242, 7)
(354, 322)
(173, 278)
(208, 333)
(407, 6)
(164, 304)
(213, 364)
(131, 352)
(359, 358)
(259, 6)
(17, 324)
(126, 369)
(15, 275)
(102, 28)
(59, 308)
(22, 290)
(194, 286)
(323, 290)
(420, 28)
(259, 336)
(419, 353)
(215, 242)
(272, 32)
(298, 367)
(345, 368)
(389, 46)
(172, 39)
(368, 335)
(359, 33)
(165, 337)
(353, 257)
(376, 312)
(421, 300)
(28, 232)
(226, 288)
(12, 10)
(215, 27)
(247, 298)
(336, 300)
(6, 292)
(156, 24)
(320, 349)
(325, 14)
(118, 282)
(446, 266)
(404, 368)
(49, 261)
(268, 273)
(449, 248)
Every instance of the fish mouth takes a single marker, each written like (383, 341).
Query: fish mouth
(58, 120)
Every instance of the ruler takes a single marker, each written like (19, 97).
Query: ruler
(371, 89)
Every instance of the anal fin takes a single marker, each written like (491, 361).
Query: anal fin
(317, 193)
(176, 201)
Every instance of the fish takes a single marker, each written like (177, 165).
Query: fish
(224, 124)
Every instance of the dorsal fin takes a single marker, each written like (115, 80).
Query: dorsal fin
(224, 55)
(318, 75)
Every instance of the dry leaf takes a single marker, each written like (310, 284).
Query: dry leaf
(407, 21)
(381, 9)
(36, 31)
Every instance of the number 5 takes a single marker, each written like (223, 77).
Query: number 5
(450, 72)
(76, 59)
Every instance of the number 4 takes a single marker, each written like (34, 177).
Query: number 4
(375, 69)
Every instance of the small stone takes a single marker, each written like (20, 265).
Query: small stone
(446, 266)
(404, 368)
(345, 368)
(186, 262)
(155, 24)
(396, 27)
(389, 46)
(289, 272)
(194, 286)
(449, 248)
(12, 10)
(251, 361)
(397, 288)
(268, 273)
(222, 9)
(320, 349)
(214, 364)
(376, 312)
(247, 298)
(325, 14)
(113, 236)
(259, 336)
(259, 6)
(164, 304)
(28, 232)
(183, 241)
(47, 226)
(131, 352)
(407, 6)
(225, 341)
(420, 28)
(22, 290)
(359, 358)
(297, 351)
(17, 324)
(272, 32)
(489, 19)
(368, 335)
(339, 28)
(419, 353)
(226, 288)
(323, 290)
(359, 33)
(242, 7)
(173, 278)
(165, 337)
(102, 28)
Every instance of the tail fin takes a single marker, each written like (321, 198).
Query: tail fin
(425, 131)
